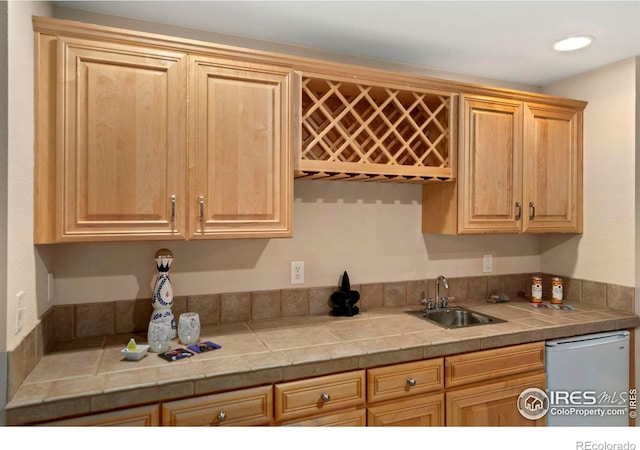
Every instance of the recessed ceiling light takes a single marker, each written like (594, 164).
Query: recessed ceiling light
(572, 43)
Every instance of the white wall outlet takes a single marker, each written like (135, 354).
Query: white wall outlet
(487, 263)
(297, 272)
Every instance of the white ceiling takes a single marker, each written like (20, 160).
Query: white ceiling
(503, 40)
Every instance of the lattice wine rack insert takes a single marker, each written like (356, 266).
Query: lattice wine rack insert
(363, 132)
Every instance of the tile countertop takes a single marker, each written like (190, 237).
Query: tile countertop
(73, 381)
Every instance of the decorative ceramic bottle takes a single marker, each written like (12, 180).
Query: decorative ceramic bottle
(162, 326)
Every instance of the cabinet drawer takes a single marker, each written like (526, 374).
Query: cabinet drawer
(245, 407)
(306, 398)
(144, 416)
(491, 364)
(402, 380)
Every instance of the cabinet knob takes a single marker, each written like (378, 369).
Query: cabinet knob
(221, 416)
(325, 397)
(411, 381)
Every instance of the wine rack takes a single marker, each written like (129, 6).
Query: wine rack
(359, 131)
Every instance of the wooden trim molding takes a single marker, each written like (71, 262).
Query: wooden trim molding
(60, 27)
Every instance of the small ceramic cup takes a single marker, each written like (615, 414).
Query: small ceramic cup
(159, 335)
(189, 328)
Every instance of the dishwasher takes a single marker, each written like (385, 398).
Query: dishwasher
(588, 380)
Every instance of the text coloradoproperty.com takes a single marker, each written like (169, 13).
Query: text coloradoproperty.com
(588, 411)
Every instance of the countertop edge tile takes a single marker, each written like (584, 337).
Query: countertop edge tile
(48, 411)
(228, 382)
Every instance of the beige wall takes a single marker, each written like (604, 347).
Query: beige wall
(370, 230)
(606, 250)
(24, 265)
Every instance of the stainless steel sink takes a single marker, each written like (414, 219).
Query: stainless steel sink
(456, 317)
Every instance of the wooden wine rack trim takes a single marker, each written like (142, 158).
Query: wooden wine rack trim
(359, 131)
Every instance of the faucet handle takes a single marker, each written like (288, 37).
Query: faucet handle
(428, 303)
(445, 301)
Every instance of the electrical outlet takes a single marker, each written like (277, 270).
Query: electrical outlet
(297, 272)
(19, 310)
(49, 287)
(487, 263)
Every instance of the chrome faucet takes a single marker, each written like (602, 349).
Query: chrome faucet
(441, 302)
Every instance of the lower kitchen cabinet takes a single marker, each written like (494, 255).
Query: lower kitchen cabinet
(355, 418)
(253, 406)
(482, 388)
(408, 394)
(305, 399)
(422, 411)
(143, 416)
(492, 404)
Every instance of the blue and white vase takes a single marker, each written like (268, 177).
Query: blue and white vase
(162, 301)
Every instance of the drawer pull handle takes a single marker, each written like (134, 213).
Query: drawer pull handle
(201, 204)
(221, 416)
(519, 210)
(325, 397)
(411, 381)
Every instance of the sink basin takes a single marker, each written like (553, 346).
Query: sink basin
(456, 317)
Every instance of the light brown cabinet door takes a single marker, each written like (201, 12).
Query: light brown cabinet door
(121, 158)
(493, 404)
(355, 418)
(241, 137)
(491, 166)
(420, 411)
(552, 169)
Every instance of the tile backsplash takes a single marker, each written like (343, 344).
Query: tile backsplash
(93, 323)
(101, 319)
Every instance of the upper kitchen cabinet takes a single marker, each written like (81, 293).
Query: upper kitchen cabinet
(143, 137)
(552, 169)
(118, 169)
(520, 170)
(241, 136)
(491, 166)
